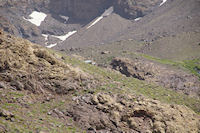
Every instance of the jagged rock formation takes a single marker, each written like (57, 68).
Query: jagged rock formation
(153, 72)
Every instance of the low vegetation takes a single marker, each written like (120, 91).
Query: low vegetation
(116, 82)
(191, 65)
(44, 108)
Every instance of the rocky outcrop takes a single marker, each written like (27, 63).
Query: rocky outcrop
(161, 75)
(127, 113)
(25, 66)
(82, 10)
(132, 9)
(7, 26)
(6, 114)
(89, 9)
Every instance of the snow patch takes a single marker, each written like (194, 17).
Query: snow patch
(163, 2)
(45, 36)
(96, 21)
(36, 18)
(106, 13)
(64, 37)
(66, 18)
(137, 19)
(90, 62)
(51, 45)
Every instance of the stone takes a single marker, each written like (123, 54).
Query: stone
(6, 114)
(2, 129)
(105, 52)
(2, 85)
(132, 123)
(49, 113)
(18, 85)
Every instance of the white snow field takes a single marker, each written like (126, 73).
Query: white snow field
(106, 13)
(45, 36)
(36, 18)
(51, 45)
(137, 19)
(66, 18)
(96, 21)
(64, 37)
(163, 2)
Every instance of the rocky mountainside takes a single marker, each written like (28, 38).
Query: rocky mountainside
(172, 19)
(42, 91)
(63, 16)
(90, 9)
(129, 66)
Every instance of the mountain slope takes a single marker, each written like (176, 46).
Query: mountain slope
(171, 20)
(42, 91)
(65, 16)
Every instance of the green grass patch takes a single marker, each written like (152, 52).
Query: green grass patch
(162, 61)
(191, 65)
(130, 85)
